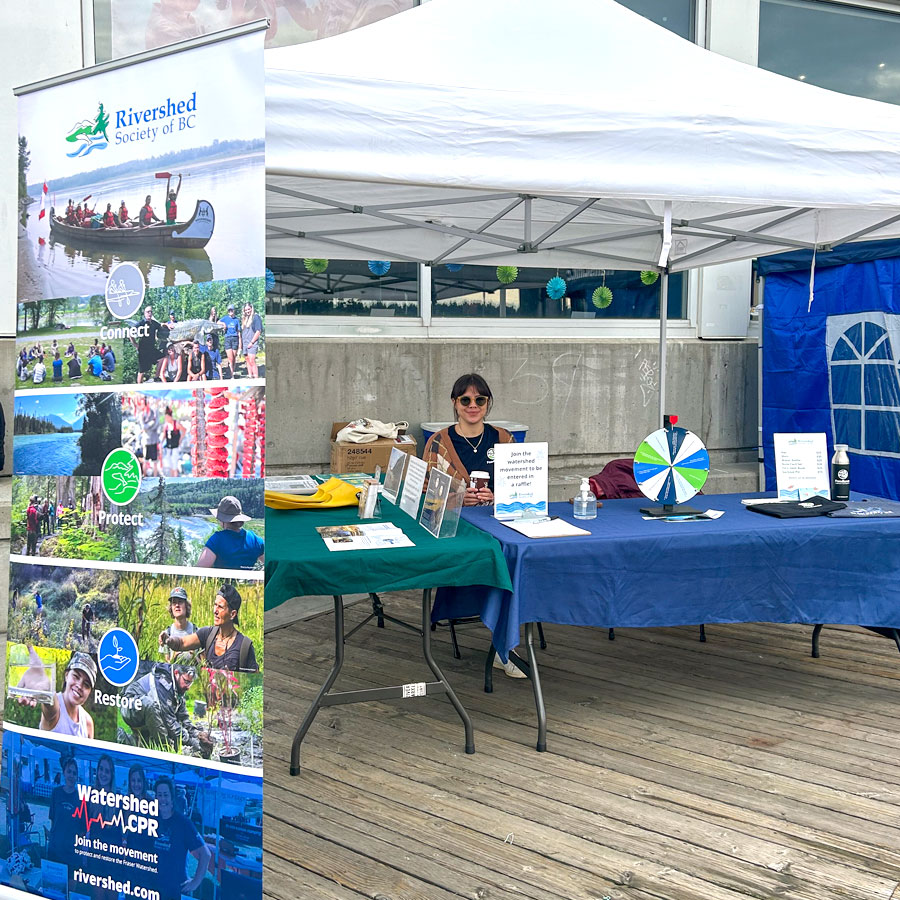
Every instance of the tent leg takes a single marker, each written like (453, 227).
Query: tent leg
(663, 316)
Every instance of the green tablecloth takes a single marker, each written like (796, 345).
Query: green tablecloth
(298, 562)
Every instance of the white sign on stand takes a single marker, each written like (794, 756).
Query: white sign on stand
(416, 470)
(520, 480)
(801, 466)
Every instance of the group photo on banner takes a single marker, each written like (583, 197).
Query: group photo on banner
(132, 748)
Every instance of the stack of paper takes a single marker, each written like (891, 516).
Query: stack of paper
(371, 536)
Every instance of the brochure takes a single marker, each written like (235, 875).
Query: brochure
(393, 478)
(372, 536)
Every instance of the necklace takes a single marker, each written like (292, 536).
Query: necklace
(473, 446)
(225, 644)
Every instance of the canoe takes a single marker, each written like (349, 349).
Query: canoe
(191, 235)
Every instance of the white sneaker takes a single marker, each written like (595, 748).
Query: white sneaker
(509, 667)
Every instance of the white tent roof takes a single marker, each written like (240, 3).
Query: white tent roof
(512, 132)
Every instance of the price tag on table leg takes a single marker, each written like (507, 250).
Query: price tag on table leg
(416, 689)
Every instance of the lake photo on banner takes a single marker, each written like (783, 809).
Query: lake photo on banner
(69, 268)
(42, 454)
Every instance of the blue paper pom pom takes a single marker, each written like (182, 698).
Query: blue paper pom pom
(556, 288)
(270, 280)
(454, 267)
(379, 266)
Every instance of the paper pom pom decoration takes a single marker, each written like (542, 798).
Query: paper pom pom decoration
(556, 288)
(602, 297)
(270, 280)
(649, 277)
(379, 266)
(315, 266)
(454, 267)
(507, 274)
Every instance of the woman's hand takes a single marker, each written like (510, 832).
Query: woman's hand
(471, 497)
(34, 678)
(478, 497)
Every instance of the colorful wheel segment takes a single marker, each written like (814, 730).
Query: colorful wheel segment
(671, 465)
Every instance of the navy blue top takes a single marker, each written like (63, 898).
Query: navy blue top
(482, 459)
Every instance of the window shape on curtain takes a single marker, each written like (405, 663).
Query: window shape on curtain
(865, 390)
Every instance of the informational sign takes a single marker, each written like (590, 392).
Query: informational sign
(393, 477)
(801, 466)
(133, 711)
(520, 480)
(416, 470)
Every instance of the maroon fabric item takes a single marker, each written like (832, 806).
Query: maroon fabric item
(615, 480)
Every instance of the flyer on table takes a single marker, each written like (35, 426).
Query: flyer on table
(133, 709)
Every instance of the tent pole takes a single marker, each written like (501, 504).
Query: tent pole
(663, 316)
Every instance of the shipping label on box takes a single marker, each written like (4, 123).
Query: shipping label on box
(349, 457)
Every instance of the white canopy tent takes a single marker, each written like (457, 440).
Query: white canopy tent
(580, 134)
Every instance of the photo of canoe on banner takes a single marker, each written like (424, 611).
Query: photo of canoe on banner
(151, 168)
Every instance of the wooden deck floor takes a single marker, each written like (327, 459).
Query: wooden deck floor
(740, 768)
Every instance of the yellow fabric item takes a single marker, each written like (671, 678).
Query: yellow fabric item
(333, 493)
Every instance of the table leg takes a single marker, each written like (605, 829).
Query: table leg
(426, 650)
(817, 630)
(536, 686)
(489, 670)
(329, 681)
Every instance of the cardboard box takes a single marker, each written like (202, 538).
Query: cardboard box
(349, 457)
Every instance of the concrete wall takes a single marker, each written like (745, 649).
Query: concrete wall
(591, 400)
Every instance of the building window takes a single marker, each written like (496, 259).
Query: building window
(674, 15)
(468, 291)
(123, 27)
(342, 287)
(843, 48)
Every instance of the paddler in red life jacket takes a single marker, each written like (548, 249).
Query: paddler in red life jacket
(70, 213)
(79, 215)
(171, 206)
(146, 215)
(88, 216)
(109, 217)
(123, 215)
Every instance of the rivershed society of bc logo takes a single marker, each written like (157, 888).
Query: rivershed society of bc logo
(89, 134)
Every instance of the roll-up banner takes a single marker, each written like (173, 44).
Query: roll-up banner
(132, 746)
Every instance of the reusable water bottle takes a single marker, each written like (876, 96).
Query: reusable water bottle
(584, 502)
(840, 473)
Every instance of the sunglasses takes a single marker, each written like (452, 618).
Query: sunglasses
(468, 401)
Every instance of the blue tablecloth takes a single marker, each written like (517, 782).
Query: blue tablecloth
(743, 567)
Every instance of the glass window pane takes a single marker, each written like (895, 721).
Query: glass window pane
(676, 15)
(467, 291)
(842, 48)
(341, 287)
(123, 27)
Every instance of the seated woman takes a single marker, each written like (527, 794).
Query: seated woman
(468, 446)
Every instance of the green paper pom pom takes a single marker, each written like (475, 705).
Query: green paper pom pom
(507, 274)
(602, 297)
(649, 277)
(315, 266)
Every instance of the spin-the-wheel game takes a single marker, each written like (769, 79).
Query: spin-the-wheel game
(671, 466)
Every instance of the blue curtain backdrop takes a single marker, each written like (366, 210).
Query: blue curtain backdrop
(834, 367)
